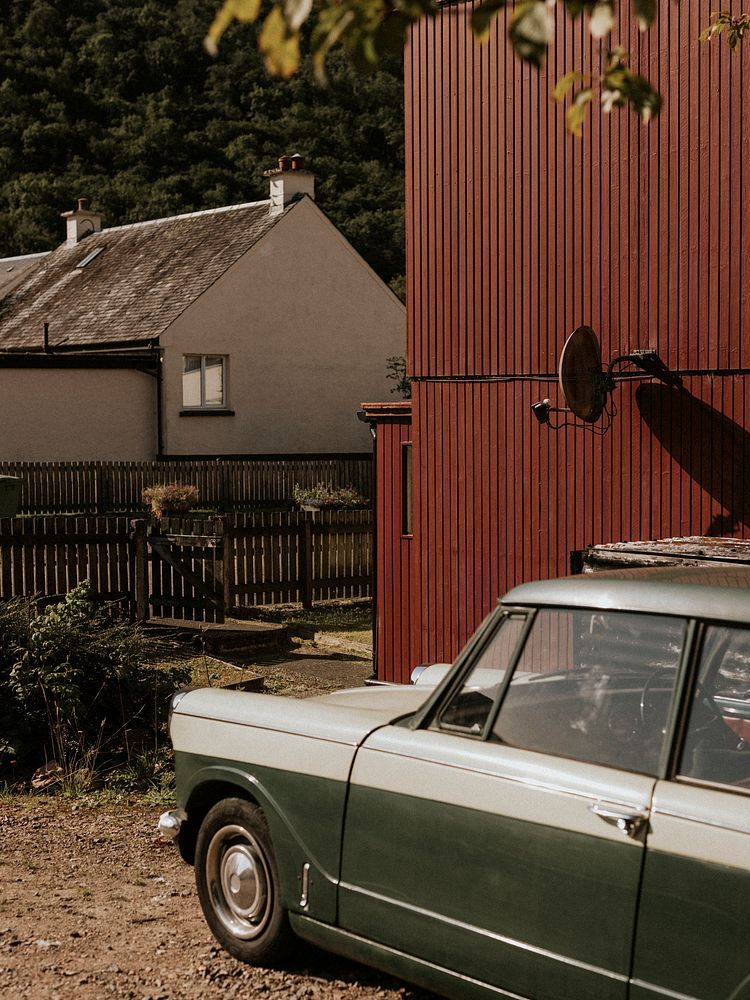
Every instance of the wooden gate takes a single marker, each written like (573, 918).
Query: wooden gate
(180, 574)
(198, 570)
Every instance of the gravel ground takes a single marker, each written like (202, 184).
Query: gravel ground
(92, 905)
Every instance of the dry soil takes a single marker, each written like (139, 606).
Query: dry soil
(92, 905)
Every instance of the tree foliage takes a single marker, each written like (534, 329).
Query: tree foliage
(367, 29)
(117, 101)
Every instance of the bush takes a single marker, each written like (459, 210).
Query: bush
(170, 498)
(326, 495)
(77, 677)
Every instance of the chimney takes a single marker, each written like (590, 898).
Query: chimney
(81, 222)
(289, 181)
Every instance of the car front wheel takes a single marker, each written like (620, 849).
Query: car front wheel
(238, 883)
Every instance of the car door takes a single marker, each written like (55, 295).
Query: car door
(693, 937)
(501, 840)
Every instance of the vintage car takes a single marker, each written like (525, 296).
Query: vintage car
(564, 815)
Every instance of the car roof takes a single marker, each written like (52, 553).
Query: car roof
(718, 592)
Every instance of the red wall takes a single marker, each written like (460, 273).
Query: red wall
(393, 548)
(516, 234)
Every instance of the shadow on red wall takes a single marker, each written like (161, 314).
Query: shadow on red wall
(711, 448)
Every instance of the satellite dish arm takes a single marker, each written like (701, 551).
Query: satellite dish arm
(649, 362)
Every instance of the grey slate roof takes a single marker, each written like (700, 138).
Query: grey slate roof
(146, 275)
(12, 270)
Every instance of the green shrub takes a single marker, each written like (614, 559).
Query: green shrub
(80, 680)
(326, 495)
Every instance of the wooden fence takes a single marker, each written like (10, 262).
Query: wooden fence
(195, 569)
(223, 484)
(48, 556)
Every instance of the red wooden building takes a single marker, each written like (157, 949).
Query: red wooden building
(517, 233)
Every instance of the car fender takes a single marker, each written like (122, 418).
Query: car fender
(315, 843)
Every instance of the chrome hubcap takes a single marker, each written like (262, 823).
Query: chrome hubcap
(239, 881)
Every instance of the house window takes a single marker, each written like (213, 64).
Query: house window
(204, 383)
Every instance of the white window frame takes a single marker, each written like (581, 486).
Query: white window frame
(203, 405)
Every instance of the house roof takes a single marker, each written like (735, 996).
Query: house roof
(12, 270)
(138, 279)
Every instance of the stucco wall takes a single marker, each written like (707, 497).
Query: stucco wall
(307, 326)
(77, 415)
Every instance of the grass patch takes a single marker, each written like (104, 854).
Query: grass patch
(340, 619)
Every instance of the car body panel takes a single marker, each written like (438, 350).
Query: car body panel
(293, 758)
(395, 961)
(494, 860)
(693, 928)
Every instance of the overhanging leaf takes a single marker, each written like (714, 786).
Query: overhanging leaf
(564, 84)
(575, 116)
(644, 12)
(296, 12)
(531, 30)
(601, 20)
(483, 16)
(278, 45)
(330, 27)
(736, 27)
(231, 10)
(621, 86)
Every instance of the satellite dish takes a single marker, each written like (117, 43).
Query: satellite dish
(586, 386)
(580, 374)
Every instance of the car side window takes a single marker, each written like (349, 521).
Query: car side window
(594, 686)
(717, 738)
(468, 710)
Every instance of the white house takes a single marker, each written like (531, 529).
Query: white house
(246, 330)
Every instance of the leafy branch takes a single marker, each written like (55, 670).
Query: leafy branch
(367, 29)
(618, 86)
(735, 27)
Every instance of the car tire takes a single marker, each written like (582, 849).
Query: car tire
(238, 884)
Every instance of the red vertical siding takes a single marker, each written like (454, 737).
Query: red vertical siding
(393, 556)
(517, 233)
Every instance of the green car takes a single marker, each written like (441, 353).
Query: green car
(563, 814)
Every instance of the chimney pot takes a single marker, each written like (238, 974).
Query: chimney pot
(83, 204)
(285, 163)
(298, 162)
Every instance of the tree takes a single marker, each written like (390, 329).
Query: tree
(367, 29)
(114, 100)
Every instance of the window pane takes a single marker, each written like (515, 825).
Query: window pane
(406, 489)
(595, 687)
(717, 743)
(191, 381)
(214, 381)
(469, 709)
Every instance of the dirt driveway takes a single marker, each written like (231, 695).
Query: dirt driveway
(91, 906)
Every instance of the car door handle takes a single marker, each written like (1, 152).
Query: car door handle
(628, 821)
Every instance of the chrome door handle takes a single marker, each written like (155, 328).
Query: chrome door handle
(628, 821)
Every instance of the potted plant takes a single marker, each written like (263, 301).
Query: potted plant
(326, 495)
(170, 498)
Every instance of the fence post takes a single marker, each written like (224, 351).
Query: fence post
(228, 562)
(140, 577)
(305, 562)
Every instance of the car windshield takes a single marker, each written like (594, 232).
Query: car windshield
(595, 686)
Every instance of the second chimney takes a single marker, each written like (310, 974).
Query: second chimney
(289, 181)
(81, 222)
